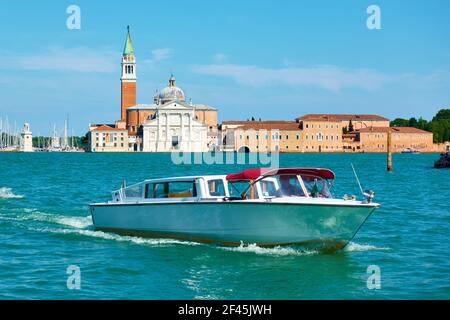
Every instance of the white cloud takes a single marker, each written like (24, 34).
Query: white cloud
(332, 78)
(157, 55)
(162, 54)
(78, 59)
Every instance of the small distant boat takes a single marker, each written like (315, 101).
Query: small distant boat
(443, 161)
(267, 207)
(412, 151)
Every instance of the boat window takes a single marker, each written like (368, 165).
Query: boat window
(237, 188)
(216, 188)
(134, 191)
(316, 186)
(282, 186)
(174, 189)
(159, 190)
(268, 187)
(289, 186)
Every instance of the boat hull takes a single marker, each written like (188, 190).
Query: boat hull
(233, 223)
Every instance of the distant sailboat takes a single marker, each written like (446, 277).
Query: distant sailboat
(64, 143)
(10, 139)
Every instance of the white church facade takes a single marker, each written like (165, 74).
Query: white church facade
(174, 127)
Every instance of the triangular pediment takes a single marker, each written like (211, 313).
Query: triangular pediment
(176, 105)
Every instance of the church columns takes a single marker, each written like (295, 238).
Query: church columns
(181, 137)
(158, 131)
(190, 131)
(167, 132)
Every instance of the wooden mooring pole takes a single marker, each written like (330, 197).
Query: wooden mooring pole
(389, 151)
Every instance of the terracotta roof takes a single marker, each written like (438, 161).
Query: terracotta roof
(342, 117)
(107, 128)
(242, 122)
(269, 125)
(394, 130)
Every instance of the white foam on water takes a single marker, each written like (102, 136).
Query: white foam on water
(75, 222)
(70, 221)
(356, 247)
(6, 193)
(116, 237)
(275, 251)
(191, 284)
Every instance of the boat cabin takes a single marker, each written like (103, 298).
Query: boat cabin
(260, 184)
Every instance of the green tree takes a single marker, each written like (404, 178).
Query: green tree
(41, 141)
(84, 141)
(440, 126)
(443, 114)
(422, 124)
(399, 122)
(446, 136)
(413, 123)
(350, 126)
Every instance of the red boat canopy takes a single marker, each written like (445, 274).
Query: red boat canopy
(253, 174)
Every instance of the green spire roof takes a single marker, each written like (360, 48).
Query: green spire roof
(128, 45)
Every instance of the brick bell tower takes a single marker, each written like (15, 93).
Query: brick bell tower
(128, 79)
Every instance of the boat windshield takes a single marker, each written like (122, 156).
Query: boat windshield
(279, 186)
(290, 185)
(242, 189)
(316, 186)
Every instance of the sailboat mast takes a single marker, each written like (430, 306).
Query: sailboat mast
(15, 134)
(67, 132)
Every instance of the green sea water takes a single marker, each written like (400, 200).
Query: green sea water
(45, 227)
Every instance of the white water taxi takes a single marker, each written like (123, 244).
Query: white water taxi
(267, 207)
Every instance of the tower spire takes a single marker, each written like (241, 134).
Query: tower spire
(128, 49)
(128, 78)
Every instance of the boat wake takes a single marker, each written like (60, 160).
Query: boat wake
(275, 251)
(292, 251)
(6, 193)
(115, 237)
(35, 215)
(75, 222)
(355, 247)
(83, 226)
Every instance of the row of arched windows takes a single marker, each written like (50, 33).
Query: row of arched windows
(129, 69)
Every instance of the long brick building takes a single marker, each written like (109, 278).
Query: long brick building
(323, 133)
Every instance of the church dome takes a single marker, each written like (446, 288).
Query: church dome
(171, 92)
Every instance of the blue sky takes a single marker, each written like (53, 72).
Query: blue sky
(267, 59)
